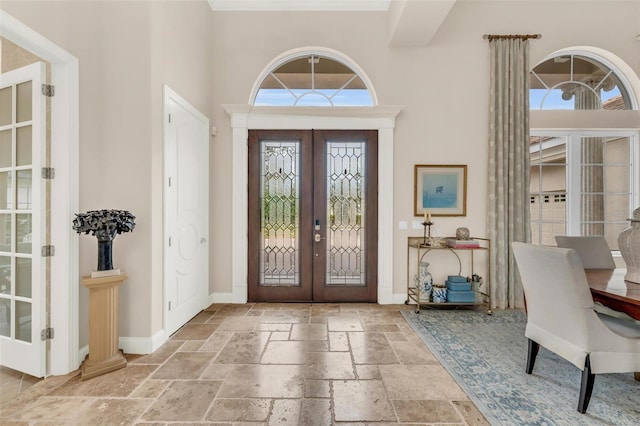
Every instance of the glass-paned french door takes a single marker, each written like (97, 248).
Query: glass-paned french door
(312, 215)
(22, 220)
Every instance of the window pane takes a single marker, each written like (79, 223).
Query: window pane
(23, 146)
(611, 232)
(5, 275)
(617, 151)
(23, 321)
(23, 277)
(5, 148)
(24, 189)
(6, 108)
(5, 317)
(6, 191)
(617, 208)
(5, 232)
(23, 102)
(23, 233)
(553, 178)
(617, 179)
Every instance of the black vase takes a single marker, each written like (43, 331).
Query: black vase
(105, 260)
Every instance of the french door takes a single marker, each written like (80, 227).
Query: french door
(313, 215)
(22, 220)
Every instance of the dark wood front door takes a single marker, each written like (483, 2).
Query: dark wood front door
(313, 215)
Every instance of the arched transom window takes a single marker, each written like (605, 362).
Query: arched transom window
(313, 80)
(575, 82)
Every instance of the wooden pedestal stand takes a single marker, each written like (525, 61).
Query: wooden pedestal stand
(104, 355)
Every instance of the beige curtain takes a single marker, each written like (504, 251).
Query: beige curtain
(508, 216)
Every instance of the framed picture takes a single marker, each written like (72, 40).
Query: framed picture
(440, 190)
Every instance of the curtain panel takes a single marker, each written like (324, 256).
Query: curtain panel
(509, 216)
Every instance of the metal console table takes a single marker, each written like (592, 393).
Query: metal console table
(421, 249)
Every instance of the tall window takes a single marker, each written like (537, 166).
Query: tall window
(313, 80)
(583, 181)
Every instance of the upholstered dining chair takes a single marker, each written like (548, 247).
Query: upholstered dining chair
(594, 252)
(561, 317)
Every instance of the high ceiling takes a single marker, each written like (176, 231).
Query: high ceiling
(412, 22)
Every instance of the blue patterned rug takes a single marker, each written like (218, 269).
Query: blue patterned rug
(486, 355)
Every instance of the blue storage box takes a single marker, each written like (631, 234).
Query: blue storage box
(457, 279)
(461, 296)
(458, 286)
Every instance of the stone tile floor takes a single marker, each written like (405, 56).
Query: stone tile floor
(260, 364)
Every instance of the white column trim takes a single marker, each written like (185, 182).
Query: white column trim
(245, 117)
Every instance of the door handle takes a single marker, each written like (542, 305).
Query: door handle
(318, 238)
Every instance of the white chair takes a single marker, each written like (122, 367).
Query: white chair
(561, 317)
(594, 251)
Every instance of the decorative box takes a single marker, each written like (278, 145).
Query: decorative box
(461, 296)
(458, 286)
(457, 279)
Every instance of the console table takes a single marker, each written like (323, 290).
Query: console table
(420, 250)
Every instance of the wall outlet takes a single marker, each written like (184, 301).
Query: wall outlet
(416, 224)
(402, 224)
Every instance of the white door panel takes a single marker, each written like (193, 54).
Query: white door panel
(186, 211)
(22, 220)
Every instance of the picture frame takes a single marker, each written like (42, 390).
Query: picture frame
(440, 190)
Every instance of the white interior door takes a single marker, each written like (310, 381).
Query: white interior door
(22, 220)
(186, 211)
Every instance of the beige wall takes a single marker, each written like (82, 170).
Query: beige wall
(127, 50)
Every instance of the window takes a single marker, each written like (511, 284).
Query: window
(576, 82)
(313, 80)
(590, 177)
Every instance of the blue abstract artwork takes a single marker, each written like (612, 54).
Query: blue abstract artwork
(440, 190)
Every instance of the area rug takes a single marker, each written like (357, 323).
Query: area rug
(486, 355)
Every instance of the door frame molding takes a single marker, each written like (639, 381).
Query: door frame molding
(245, 117)
(64, 296)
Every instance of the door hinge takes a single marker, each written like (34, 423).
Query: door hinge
(169, 241)
(169, 118)
(169, 181)
(169, 305)
(46, 334)
(48, 90)
(47, 251)
(48, 173)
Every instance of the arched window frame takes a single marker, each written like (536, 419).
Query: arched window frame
(312, 51)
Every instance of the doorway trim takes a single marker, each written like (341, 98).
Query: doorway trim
(64, 298)
(245, 117)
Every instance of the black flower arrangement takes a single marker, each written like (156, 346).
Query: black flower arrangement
(104, 225)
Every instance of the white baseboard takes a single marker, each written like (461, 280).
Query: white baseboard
(399, 298)
(142, 345)
(221, 298)
(82, 353)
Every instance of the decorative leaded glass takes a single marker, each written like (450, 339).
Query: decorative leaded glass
(279, 192)
(345, 213)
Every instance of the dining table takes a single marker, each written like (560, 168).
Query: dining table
(609, 287)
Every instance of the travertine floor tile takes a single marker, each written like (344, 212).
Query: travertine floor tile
(371, 348)
(239, 323)
(427, 411)
(434, 384)
(345, 324)
(264, 364)
(248, 410)
(285, 412)
(329, 365)
(183, 400)
(117, 383)
(195, 332)
(184, 365)
(361, 400)
(308, 332)
(264, 381)
(285, 352)
(315, 412)
(245, 347)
